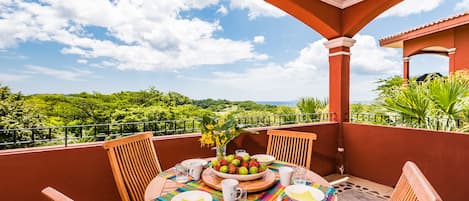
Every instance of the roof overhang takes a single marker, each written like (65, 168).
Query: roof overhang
(397, 40)
(335, 18)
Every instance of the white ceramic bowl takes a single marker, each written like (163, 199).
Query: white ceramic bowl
(264, 158)
(193, 196)
(187, 163)
(238, 177)
(293, 191)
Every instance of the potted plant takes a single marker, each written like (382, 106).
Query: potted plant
(218, 133)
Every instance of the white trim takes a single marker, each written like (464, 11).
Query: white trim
(406, 59)
(339, 53)
(340, 42)
(452, 51)
(342, 3)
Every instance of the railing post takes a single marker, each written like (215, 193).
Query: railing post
(66, 136)
(95, 132)
(81, 132)
(193, 125)
(15, 138)
(32, 136)
(50, 134)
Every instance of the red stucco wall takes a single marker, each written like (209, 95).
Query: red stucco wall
(462, 47)
(378, 153)
(443, 39)
(83, 172)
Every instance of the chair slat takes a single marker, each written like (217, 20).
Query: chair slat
(134, 164)
(291, 146)
(55, 195)
(413, 186)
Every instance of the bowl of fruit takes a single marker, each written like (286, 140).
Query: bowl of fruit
(240, 168)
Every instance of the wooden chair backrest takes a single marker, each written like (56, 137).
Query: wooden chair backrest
(291, 146)
(55, 195)
(134, 164)
(413, 186)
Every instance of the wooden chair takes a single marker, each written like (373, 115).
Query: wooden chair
(413, 186)
(134, 164)
(291, 146)
(55, 195)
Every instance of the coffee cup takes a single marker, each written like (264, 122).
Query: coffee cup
(195, 170)
(230, 190)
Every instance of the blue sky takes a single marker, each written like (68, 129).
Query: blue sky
(230, 49)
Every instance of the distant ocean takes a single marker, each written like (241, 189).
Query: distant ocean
(278, 103)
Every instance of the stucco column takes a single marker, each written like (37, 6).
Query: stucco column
(339, 76)
(406, 70)
(452, 63)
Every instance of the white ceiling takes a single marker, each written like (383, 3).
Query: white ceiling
(342, 3)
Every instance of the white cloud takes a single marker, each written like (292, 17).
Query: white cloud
(72, 75)
(368, 58)
(308, 74)
(151, 35)
(82, 61)
(257, 8)
(259, 39)
(4, 77)
(409, 7)
(222, 10)
(463, 5)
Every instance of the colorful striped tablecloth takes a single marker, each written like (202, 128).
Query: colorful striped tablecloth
(270, 194)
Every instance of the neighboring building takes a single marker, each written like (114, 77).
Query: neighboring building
(448, 37)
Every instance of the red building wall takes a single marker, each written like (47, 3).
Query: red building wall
(83, 172)
(462, 47)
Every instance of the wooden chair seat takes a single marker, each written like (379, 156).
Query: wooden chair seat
(134, 164)
(413, 186)
(291, 146)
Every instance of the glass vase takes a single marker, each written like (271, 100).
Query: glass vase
(221, 151)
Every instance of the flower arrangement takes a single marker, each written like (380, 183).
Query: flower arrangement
(219, 133)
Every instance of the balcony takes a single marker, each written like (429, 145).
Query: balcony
(372, 152)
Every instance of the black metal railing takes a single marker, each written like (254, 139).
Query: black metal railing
(30, 137)
(432, 123)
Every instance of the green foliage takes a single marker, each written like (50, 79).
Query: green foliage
(14, 113)
(410, 101)
(308, 105)
(386, 87)
(448, 95)
(437, 103)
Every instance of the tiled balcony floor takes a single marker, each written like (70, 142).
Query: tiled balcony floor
(358, 189)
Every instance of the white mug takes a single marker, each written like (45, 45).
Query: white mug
(286, 174)
(230, 190)
(195, 170)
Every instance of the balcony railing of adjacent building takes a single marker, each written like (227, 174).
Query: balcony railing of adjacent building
(432, 123)
(30, 137)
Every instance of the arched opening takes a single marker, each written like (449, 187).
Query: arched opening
(428, 63)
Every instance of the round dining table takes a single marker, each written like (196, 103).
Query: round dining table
(161, 185)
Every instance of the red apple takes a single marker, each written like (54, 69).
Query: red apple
(223, 162)
(245, 164)
(232, 169)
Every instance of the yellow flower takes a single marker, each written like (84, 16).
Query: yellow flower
(209, 126)
(224, 140)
